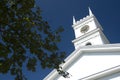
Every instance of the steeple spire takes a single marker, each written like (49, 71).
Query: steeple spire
(90, 12)
(74, 20)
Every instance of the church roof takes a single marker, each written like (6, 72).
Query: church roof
(75, 55)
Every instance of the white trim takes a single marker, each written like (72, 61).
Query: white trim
(98, 75)
(85, 35)
(77, 53)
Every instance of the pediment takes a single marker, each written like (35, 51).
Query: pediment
(92, 64)
(89, 60)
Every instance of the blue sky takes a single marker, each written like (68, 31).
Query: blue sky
(60, 12)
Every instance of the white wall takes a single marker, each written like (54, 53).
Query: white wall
(92, 63)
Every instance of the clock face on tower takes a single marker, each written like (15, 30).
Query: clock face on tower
(84, 29)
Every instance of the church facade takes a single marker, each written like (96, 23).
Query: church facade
(94, 58)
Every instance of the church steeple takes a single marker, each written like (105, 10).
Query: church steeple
(88, 31)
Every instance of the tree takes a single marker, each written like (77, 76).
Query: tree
(25, 38)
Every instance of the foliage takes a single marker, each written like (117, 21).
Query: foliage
(26, 39)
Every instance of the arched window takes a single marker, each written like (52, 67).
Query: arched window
(88, 44)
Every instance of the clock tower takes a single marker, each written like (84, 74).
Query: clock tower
(88, 31)
(94, 58)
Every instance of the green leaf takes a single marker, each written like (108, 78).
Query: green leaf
(26, 39)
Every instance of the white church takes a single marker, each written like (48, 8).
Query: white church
(94, 58)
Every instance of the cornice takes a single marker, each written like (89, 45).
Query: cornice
(81, 50)
(100, 74)
(86, 35)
